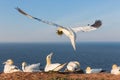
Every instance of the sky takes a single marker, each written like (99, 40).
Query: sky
(14, 27)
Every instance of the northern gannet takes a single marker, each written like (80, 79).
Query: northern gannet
(73, 66)
(69, 32)
(52, 66)
(30, 68)
(89, 70)
(9, 67)
(115, 69)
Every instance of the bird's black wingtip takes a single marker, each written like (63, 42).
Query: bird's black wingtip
(20, 10)
(97, 24)
(17, 8)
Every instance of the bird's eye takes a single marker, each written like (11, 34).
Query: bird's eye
(49, 57)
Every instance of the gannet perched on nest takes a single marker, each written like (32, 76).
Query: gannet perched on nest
(115, 69)
(73, 66)
(52, 66)
(69, 32)
(90, 70)
(9, 67)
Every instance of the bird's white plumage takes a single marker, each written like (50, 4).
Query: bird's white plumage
(69, 32)
(71, 35)
(9, 67)
(83, 29)
(115, 69)
(52, 66)
(89, 70)
(73, 66)
(31, 68)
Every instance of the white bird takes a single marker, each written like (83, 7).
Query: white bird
(52, 66)
(89, 70)
(69, 32)
(115, 69)
(9, 67)
(30, 68)
(73, 66)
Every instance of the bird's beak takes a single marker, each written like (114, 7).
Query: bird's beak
(51, 54)
(4, 62)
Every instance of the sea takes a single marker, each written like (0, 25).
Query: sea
(94, 54)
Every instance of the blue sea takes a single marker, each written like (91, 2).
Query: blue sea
(93, 54)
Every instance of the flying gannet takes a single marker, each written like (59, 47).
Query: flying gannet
(73, 66)
(30, 68)
(89, 70)
(69, 32)
(52, 66)
(115, 69)
(9, 67)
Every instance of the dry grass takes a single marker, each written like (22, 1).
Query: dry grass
(57, 76)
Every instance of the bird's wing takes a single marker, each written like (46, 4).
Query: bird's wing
(55, 67)
(71, 35)
(51, 67)
(59, 67)
(14, 68)
(73, 42)
(119, 67)
(94, 26)
(31, 17)
(34, 66)
(96, 70)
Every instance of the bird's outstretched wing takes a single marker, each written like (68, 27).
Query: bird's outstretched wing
(41, 20)
(94, 26)
(73, 42)
(71, 35)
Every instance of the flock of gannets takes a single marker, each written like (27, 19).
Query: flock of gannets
(72, 66)
(69, 32)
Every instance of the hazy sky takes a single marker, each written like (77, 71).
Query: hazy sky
(15, 27)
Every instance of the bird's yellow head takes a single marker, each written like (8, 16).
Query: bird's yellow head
(9, 62)
(114, 66)
(88, 68)
(24, 63)
(59, 31)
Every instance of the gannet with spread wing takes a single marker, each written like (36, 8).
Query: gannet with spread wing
(69, 32)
